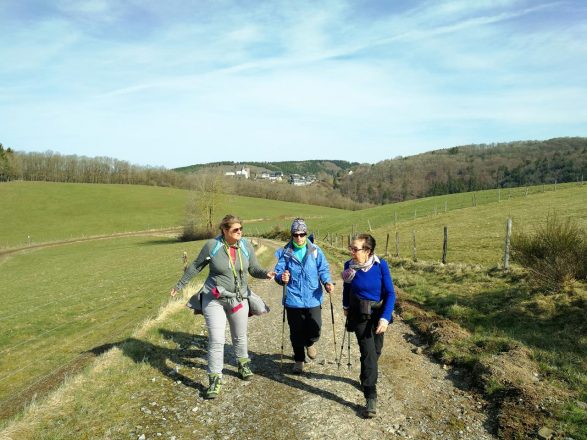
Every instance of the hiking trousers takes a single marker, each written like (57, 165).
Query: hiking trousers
(370, 346)
(216, 313)
(304, 329)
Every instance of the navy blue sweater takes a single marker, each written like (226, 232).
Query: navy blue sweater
(374, 285)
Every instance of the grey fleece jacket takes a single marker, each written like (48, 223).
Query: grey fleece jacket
(221, 273)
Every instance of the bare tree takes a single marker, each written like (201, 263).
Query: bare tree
(202, 207)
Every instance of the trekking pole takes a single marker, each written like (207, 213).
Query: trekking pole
(333, 329)
(342, 345)
(349, 350)
(282, 326)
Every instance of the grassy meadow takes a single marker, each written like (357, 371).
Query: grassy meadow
(114, 389)
(475, 233)
(48, 211)
(61, 303)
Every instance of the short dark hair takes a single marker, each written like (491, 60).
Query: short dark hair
(369, 241)
(228, 221)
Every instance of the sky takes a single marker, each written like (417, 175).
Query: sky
(173, 83)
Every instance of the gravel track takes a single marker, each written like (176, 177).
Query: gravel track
(418, 398)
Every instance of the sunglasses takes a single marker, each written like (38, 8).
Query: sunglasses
(236, 229)
(356, 249)
(301, 234)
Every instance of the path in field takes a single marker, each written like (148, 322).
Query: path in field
(4, 253)
(418, 398)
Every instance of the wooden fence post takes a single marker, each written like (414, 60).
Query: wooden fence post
(185, 261)
(386, 244)
(506, 252)
(397, 244)
(445, 244)
(369, 223)
(414, 246)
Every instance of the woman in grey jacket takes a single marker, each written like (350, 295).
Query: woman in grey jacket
(224, 296)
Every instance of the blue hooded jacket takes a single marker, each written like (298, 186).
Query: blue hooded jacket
(304, 289)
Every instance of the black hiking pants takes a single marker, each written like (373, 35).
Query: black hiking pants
(370, 346)
(304, 329)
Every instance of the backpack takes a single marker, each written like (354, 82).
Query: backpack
(195, 302)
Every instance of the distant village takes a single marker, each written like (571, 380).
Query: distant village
(277, 176)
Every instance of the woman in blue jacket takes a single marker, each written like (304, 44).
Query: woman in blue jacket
(302, 267)
(368, 298)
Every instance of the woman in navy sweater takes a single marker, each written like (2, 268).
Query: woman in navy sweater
(368, 299)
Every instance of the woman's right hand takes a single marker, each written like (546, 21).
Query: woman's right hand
(285, 277)
(346, 312)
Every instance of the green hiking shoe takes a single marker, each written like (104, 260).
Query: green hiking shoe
(370, 408)
(215, 386)
(244, 369)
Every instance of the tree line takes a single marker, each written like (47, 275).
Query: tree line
(54, 167)
(439, 172)
(467, 168)
(316, 167)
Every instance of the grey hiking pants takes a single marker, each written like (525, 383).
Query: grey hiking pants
(216, 313)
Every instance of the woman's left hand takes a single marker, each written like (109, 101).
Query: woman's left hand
(381, 327)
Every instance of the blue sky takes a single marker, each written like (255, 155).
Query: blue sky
(173, 83)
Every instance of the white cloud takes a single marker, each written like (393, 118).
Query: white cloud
(317, 77)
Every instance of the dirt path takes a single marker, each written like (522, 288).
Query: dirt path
(18, 249)
(418, 398)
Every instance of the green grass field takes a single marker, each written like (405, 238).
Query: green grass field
(48, 211)
(61, 302)
(475, 234)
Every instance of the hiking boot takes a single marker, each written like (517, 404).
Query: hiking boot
(244, 369)
(298, 368)
(371, 408)
(215, 386)
(312, 352)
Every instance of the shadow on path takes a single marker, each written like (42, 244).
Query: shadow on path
(191, 353)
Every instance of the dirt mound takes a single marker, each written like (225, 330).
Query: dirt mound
(509, 379)
(433, 328)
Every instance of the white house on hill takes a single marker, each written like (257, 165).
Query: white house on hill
(243, 173)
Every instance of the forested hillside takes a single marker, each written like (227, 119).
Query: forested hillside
(467, 168)
(339, 183)
(316, 167)
(54, 167)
